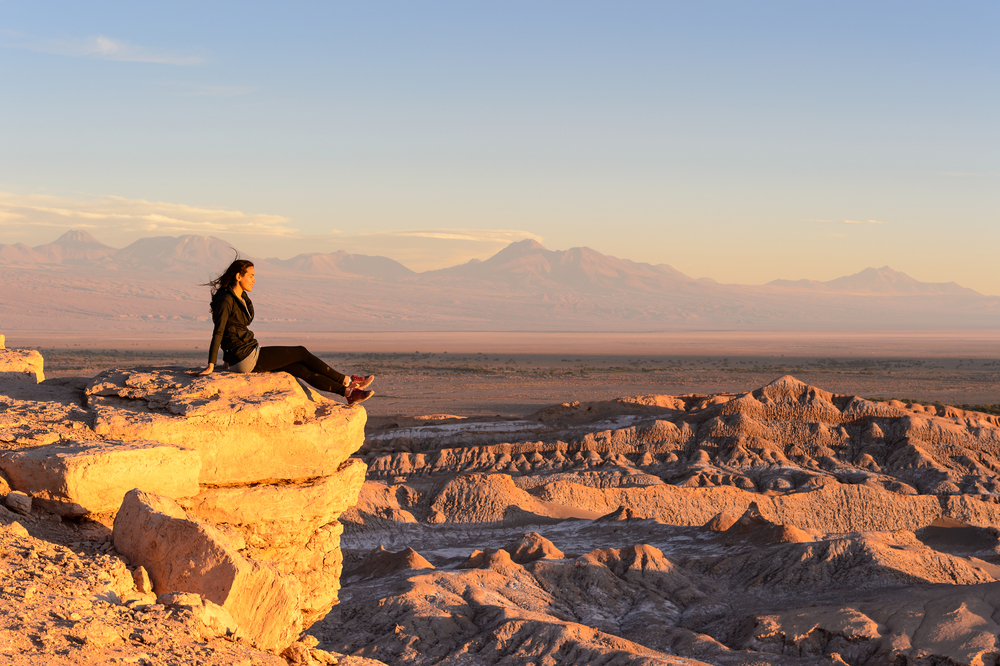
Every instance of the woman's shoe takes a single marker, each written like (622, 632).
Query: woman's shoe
(354, 396)
(359, 382)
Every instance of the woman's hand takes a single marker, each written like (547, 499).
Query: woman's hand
(204, 371)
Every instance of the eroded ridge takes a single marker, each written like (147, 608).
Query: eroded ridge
(787, 526)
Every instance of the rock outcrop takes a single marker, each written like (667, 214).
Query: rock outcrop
(20, 365)
(247, 428)
(227, 486)
(909, 626)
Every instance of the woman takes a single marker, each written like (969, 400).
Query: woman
(232, 312)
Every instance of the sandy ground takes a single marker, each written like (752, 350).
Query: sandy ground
(514, 374)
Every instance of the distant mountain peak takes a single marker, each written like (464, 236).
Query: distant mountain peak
(885, 281)
(885, 272)
(181, 253)
(520, 248)
(76, 238)
(341, 263)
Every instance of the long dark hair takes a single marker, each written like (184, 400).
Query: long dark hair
(228, 278)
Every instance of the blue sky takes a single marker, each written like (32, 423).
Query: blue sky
(744, 141)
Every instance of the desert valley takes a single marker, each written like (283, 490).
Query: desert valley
(550, 334)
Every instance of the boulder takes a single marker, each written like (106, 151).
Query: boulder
(142, 582)
(248, 428)
(213, 620)
(21, 366)
(77, 478)
(18, 501)
(185, 555)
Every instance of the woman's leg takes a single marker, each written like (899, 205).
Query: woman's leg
(322, 382)
(298, 362)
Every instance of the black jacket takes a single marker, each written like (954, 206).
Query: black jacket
(232, 316)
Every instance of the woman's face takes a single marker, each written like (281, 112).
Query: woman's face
(246, 280)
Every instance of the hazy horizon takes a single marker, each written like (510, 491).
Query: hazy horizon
(158, 284)
(233, 246)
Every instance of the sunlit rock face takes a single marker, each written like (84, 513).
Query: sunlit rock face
(188, 555)
(71, 478)
(248, 428)
(252, 470)
(20, 365)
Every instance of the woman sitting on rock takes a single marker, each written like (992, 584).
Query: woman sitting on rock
(232, 312)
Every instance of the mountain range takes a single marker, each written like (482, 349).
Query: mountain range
(77, 282)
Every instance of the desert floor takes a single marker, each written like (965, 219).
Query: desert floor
(513, 374)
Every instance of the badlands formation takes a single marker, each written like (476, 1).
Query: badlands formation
(161, 518)
(784, 526)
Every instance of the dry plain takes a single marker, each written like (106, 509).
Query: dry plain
(512, 374)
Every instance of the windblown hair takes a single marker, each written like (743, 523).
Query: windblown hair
(227, 279)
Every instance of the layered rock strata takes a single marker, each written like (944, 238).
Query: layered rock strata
(73, 478)
(239, 477)
(804, 451)
(246, 428)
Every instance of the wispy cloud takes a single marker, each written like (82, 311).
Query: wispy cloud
(121, 217)
(35, 219)
(98, 47)
(474, 235)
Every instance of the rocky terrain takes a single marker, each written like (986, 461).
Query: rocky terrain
(154, 517)
(157, 518)
(785, 526)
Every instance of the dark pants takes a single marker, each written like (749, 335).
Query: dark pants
(298, 362)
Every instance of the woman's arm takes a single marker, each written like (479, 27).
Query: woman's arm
(220, 317)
